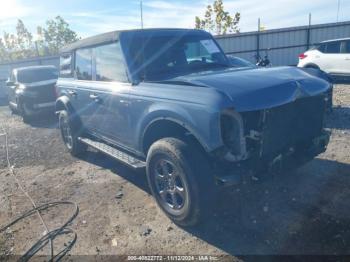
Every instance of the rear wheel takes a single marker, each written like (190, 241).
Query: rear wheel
(70, 132)
(25, 112)
(179, 178)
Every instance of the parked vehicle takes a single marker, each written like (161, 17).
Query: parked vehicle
(170, 100)
(332, 57)
(263, 61)
(31, 90)
(3, 89)
(236, 61)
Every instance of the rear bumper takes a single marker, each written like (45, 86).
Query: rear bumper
(261, 169)
(47, 105)
(34, 107)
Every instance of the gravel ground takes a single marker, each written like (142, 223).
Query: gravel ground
(301, 212)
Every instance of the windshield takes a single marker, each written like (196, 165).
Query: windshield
(36, 75)
(166, 57)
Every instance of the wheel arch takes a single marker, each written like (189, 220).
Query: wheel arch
(311, 65)
(62, 103)
(162, 127)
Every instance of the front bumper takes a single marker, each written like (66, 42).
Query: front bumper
(229, 175)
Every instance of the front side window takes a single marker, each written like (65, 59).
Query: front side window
(83, 64)
(110, 63)
(332, 48)
(157, 58)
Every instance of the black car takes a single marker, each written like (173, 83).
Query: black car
(31, 90)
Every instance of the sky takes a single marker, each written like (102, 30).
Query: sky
(90, 17)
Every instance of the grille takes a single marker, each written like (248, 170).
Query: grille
(289, 125)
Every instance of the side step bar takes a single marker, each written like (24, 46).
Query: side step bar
(115, 153)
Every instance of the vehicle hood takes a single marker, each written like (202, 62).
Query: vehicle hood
(261, 88)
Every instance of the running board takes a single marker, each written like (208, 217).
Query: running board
(115, 153)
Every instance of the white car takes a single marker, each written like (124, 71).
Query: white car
(332, 57)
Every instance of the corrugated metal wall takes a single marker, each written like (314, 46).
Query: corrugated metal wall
(6, 68)
(283, 45)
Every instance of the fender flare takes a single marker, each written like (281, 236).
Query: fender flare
(63, 103)
(178, 122)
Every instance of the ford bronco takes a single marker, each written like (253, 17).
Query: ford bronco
(170, 101)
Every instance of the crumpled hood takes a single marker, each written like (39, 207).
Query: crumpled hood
(261, 88)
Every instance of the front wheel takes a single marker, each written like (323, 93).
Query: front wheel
(70, 133)
(179, 178)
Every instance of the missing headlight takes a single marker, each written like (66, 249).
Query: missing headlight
(233, 135)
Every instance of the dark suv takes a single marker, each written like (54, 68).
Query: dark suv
(171, 101)
(31, 90)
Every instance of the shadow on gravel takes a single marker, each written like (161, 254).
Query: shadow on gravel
(289, 215)
(303, 212)
(45, 120)
(138, 177)
(339, 118)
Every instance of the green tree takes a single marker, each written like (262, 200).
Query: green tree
(218, 21)
(10, 43)
(24, 44)
(49, 40)
(57, 34)
(3, 51)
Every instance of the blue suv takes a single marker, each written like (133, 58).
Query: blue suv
(170, 101)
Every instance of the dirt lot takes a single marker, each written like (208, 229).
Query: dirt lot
(301, 212)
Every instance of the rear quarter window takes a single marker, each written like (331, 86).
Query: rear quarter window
(332, 48)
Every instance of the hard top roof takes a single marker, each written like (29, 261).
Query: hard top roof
(114, 36)
(334, 40)
(38, 67)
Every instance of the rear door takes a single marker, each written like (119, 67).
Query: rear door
(330, 60)
(103, 91)
(111, 94)
(80, 94)
(345, 49)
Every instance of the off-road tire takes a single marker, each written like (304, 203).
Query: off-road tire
(25, 116)
(73, 145)
(191, 163)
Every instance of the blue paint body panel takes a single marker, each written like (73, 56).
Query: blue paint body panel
(124, 111)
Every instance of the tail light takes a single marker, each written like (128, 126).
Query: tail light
(302, 56)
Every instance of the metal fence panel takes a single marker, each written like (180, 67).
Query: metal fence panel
(283, 45)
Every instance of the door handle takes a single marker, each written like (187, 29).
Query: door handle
(94, 97)
(72, 93)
